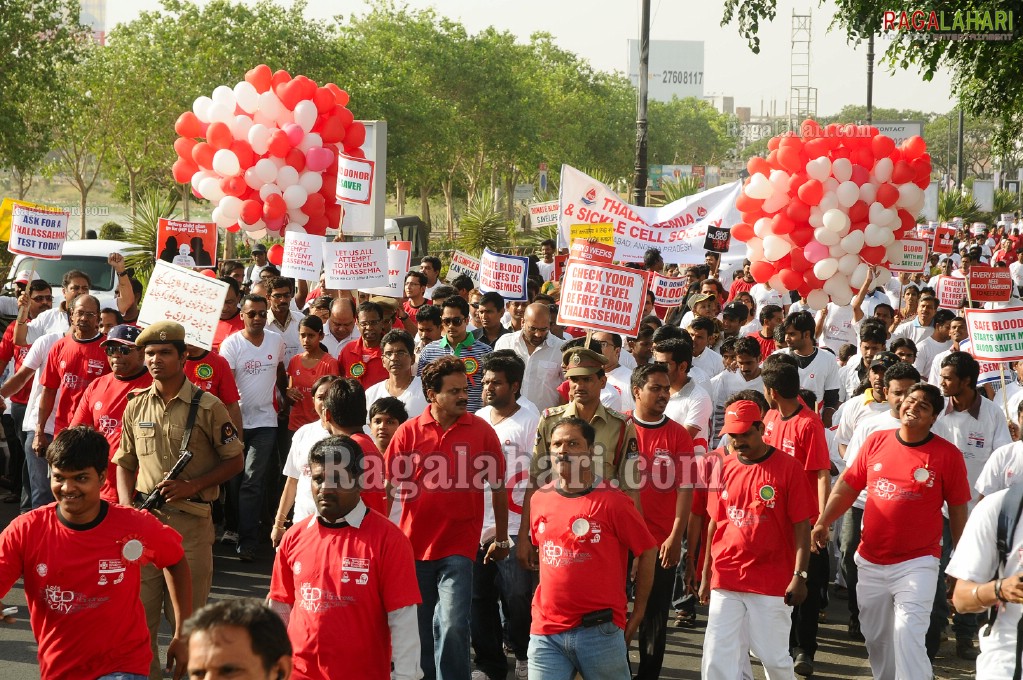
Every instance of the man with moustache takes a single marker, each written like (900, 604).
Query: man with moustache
(541, 352)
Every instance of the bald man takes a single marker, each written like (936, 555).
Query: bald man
(541, 351)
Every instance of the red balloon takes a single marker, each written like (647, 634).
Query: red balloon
(773, 143)
(275, 254)
(860, 174)
(333, 215)
(234, 186)
(874, 254)
(788, 157)
(742, 232)
(329, 187)
(279, 144)
(858, 212)
(797, 180)
(804, 290)
(797, 211)
(887, 194)
(817, 147)
(811, 192)
(902, 173)
(259, 78)
(811, 280)
(251, 212)
(906, 219)
(791, 279)
(782, 224)
(323, 99)
(290, 93)
(188, 125)
(340, 96)
(799, 261)
(802, 235)
(279, 78)
(295, 159)
(758, 164)
(913, 148)
(234, 228)
(183, 170)
(202, 154)
(314, 205)
(183, 146)
(219, 136)
(317, 225)
(209, 273)
(274, 207)
(862, 156)
(243, 151)
(333, 131)
(882, 146)
(772, 160)
(762, 271)
(811, 129)
(355, 135)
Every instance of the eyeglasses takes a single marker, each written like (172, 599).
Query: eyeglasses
(399, 354)
(370, 324)
(256, 315)
(123, 350)
(42, 298)
(85, 315)
(452, 320)
(603, 343)
(475, 305)
(282, 296)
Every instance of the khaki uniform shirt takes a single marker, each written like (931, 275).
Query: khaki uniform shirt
(615, 441)
(151, 440)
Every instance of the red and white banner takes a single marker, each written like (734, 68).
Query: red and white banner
(463, 263)
(504, 274)
(951, 290)
(602, 297)
(668, 292)
(38, 233)
(591, 251)
(995, 334)
(907, 255)
(990, 284)
(943, 237)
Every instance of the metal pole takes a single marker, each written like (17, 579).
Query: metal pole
(959, 158)
(639, 179)
(870, 79)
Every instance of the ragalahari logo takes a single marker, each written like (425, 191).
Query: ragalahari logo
(994, 25)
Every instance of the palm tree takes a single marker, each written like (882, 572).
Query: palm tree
(484, 225)
(955, 204)
(151, 206)
(675, 189)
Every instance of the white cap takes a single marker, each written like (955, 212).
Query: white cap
(24, 276)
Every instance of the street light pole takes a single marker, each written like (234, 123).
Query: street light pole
(959, 159)
(870, 79)
(639, 179)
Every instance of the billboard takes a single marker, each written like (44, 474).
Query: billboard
(901, 130)
(676, 68)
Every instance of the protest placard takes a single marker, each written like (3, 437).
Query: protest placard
(995, 334)
(907, 255)
(7, 214)
(187, 244)
(543, 214)
(591, 251)
(990, 284)
(351, 266)
(504, 274)
(668, 292)
(951, 290)
(397, 268)
(303, 255)
(603, 232)
(38, 232)
(187, 297)
(463, 263)
(602, 297)
(718, 240)
(943, 238)
(354, 179)
(405, 247)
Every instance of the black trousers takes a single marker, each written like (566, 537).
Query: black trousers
(653, 629)
(805, 617)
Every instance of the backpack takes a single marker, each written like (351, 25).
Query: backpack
(1008, 519)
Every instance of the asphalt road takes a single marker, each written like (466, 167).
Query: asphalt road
(838, 657)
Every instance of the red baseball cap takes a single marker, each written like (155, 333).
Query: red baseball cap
(739, 416)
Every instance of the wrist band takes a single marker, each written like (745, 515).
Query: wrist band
(998, 590)
(976, 596)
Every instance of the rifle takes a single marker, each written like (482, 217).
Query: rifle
(155, 500)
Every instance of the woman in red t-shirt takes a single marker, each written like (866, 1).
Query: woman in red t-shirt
(305, 369)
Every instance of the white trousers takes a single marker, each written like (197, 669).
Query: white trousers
(895, 610)
(738, 622)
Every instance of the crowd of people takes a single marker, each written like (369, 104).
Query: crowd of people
(451, 485)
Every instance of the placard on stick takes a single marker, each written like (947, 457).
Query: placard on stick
(463, 263)
(591, 251)
(352, 266)
(668, 291)
(951, 290)
(995, 334)
(397, 268)
(943, 238)
(543, 214)
(187, 244)
(303, 256)
(187, 297)
(990, 284)
(907, 255)
(603, 232)
(38, 233)
(602, 297)
(718, 239)
(504, 274)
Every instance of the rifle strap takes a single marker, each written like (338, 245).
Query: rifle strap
(193, 411)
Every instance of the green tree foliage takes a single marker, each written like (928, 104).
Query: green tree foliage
(484, 226)
(687, 132)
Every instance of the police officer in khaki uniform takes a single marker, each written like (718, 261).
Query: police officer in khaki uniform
(615, 444)
(152, 429)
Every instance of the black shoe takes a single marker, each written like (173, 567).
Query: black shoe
(246, 555)
(804, 665)
(841, 592)
(854, 630)
(966, 650)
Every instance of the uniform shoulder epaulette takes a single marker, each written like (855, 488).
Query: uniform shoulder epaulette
(616, 414)
(553, 411)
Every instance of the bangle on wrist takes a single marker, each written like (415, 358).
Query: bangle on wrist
(976, 595)
(998, 590)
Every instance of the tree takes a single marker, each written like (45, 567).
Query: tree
(687, 132)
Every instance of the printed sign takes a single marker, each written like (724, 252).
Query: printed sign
(303, 255)
(559, 266)
(504, 274)
(397, 268)
(405, 247)
(187, 297)
(907, 256)
(602, 297)
(990, 371)
(943, 237)
(354, 179)
(603, 232)
(7, 214)
(668, 292)
(543, 214)
(351, 266)
(463, 263)
(990, 284)
(38, 232)
(591, 251)
(187, 244)
(995, 334)
(951, 290)
(718, 239)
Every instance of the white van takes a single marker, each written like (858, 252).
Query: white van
(89, 256)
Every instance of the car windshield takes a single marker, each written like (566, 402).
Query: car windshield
(100, 273)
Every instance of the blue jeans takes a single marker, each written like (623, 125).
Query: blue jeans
(597, 653)
(446, 588)
(500, 587)
(259, 450)
(38, 473)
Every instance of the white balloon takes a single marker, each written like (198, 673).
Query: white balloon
(835, 220)
(219, 113)
(252, 179)
(817, 299)
(882, 277)
(836, 285)
(259, 224)
(842, 297)
(218, 216)
(196, 178)
(841, 169)
(826, 236)
(776, 202)
(270, 105)
(830, 184)
(295, 196)
(829, 201)
(873, 235)
(279, 162)
(267, 189)
(859, 275)
(776, 247)
(209, 187)
(826, 268)
(231, 207)
(847, 192)
(287, 176)
(266, 170)
(874, 213)
(911, 197)
(883, 169)
(868, 193)
(819, 168)
(755, 249)
(297, 217)
(259, 233)
(225, 162)
(295, 228)
(847, 264)
(777, 285)
(285, 117)
(240, 127)
(246, 96)
(762, 227)
(305, 114)
(853, 242)
(311, 141)
(888, 217)
(889, 237)
(759, 187)
(836, 251)
(311, 181)
(224, 96)
(816, 218)
(201, 108)
(259, 138)
(780, 180)
(264, 119)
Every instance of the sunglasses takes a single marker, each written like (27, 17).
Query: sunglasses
(453, 320)
(123, 350)
(255, 315)
(42, 298)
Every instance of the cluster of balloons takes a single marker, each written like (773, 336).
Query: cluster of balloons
(826, 205)
(265, 152)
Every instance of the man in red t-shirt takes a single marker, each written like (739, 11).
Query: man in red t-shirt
(909, 473)
(759, 537)
(230, 317)
(104, 401)
(796, 430)
(666, 495)
(81, 560)
(344, 414)
(438, 463)
(211, 373)
(360, 358)
(584, 528)
(74, 362)
(346, 569)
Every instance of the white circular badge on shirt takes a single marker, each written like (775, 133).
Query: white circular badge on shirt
(132, 550)
(581, 526)
(921, 475)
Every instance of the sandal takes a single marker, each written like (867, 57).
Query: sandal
(685, 620)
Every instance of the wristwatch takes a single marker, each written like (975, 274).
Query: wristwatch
(503, 544)
(801, 574)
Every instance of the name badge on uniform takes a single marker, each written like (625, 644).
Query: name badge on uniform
(147, 425)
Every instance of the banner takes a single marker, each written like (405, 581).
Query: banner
(38, 232)
(187, 244)
(950, 290)
(995, 334)
(397, 268)
(943, 237)
(351, 266)
(601, 233)
(354, 179)
(668, 292)
(543, 214)
(504, 274)
(463, 263)
(907, 255)
(187, 297)
(678, 229)
(303, 256)
(405, 247)
(591, 251)
(602, 297)
(7, 214)
(990, 284)
(718, 240)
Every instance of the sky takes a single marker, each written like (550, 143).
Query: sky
(598, 30)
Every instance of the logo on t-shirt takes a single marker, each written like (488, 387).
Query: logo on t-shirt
(297, 569)
(72, 382)
(471, 366)
(204, 371)
(59, 600)
(253, 367)
(108, 425)
(885, 488)
(111, 569)
(974, 440)
(95, 367)
(767, 494)
(42, 569)
(357, 369)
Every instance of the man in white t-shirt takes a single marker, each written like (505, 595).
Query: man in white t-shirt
(940, 341)
(283, 319)
(504, 587)
(704, 358)
(872, 400)
(689, 404)
(341, 327)
(726, 383)
(763, 294)
(546, 263)
(397, 354)
(921, 326)
(541, 352)
(835, 326)
(1004, 468)
(430, 265)
(259, 263)
(256, 356)
(818, 368)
